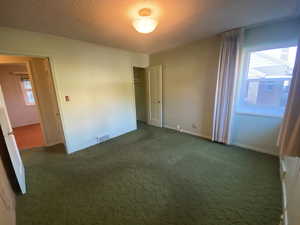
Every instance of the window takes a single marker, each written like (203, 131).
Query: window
(27, 91)
(266, 81)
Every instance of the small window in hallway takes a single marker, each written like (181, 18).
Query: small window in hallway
(266, 81)
(27, 91)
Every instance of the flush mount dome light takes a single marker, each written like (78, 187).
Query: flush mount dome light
(144, 24)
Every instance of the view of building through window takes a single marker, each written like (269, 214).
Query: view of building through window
(27, 91)
(267, 81)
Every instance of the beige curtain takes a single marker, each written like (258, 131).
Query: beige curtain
(229, 61)
(289, 137)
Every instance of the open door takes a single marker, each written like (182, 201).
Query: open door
(11, 144)
(46, 97)
(154, 77)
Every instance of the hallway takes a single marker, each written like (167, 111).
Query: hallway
(29, 136)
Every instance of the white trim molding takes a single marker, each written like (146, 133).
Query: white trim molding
(254, 148)
(283, 171)
(188, 132)
(207, 137)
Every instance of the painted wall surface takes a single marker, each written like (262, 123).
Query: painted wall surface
(19, 113)
(99, 81)
(254, 131)
(7, 199)
(189, 82)
(292, 189)
(140, 86)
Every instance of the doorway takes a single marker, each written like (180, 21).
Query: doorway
(140, 88)
(31, 102)
(148, 95)
(21, 105)
(34, 83)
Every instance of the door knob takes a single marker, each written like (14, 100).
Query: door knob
(11, 133)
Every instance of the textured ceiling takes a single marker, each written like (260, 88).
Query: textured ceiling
(108, 22)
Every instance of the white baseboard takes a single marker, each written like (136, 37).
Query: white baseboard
(254, 148)
(283, 172)
(250, 147)
(196, 134)
(188, 132)
(92, 142)
(28, 123)
(169, 127)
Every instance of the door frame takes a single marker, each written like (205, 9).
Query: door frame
(54, 95)
(25, 59)
(133, 98)
(146, 91)
(149, 93)
(28, 71)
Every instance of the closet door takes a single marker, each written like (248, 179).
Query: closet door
(154, 78)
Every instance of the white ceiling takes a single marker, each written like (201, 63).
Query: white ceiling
(108, 22)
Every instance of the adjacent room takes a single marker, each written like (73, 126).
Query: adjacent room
(149, 112)
(21, 105)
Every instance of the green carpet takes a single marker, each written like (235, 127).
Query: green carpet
(150, 176)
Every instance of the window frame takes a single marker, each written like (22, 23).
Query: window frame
(245, 63)
(24, 91)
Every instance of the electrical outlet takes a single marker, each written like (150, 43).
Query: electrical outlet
(179, 128)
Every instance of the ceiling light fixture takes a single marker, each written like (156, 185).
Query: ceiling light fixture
(144, 24)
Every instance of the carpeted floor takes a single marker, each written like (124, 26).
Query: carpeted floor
(151, 176)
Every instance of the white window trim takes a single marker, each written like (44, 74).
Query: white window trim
(244, 71)
(240, 112)
(24, 93)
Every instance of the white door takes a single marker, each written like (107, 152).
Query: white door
(11, 144)
(46, 97)
(154, 77)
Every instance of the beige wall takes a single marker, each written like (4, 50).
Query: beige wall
(19, 113)
(7, 199)
(99, 81)
(140, 86)
(189, 80)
